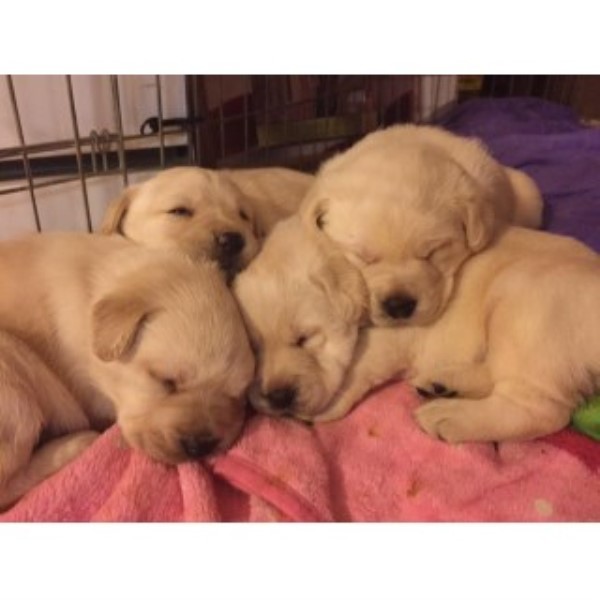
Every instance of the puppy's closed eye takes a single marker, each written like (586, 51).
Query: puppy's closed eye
(308, 340)
(300, 341)
(430, 249)
(181, 211)
(444, 255)
(365, 256)
(169, 384)
(320, 219)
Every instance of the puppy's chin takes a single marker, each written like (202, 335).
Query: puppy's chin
(155, 444)
(165, 447)
(302, 413)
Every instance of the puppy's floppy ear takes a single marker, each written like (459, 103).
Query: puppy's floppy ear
(480, 215)
(116, 322)
(445, 253)
(529, 204)
(479, 221)
(345, 287)
(116, 211)
(249, 212)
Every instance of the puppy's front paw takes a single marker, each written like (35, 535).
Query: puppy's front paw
(443, 419)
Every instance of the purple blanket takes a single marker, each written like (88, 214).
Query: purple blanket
(546, 141)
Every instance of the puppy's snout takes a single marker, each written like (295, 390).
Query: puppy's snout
(198, 446)
(230, 243)
(282, 398)
(399, 307)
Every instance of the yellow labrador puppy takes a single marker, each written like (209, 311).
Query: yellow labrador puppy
(408, 205)
(303, 303)
(96, 329)
(514, 353)
(221, 215)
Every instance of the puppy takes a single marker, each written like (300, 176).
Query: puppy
(303, 304)
(221, 215)
(513, 354)
(95, 329)
(408, 205)
(271, 194)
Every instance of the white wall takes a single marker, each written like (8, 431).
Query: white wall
(45, 115)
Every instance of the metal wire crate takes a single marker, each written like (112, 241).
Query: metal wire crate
(222, 121)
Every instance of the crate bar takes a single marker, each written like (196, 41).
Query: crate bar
(531, 83)
(436, 96)
(75, 124)
(93, 138)
(137, 159)
(221, 117)
(26, 166)
(267, 105)
(546, 92)
(161, 135)
(93, 147)
(193, 132)
(418, 91)
(43, 184)
(38, 185)
(566, 95)
(247, 92)
(119, 122)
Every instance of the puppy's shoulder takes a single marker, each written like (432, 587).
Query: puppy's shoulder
(543, 243)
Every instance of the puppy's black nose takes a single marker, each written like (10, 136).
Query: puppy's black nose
(197, 447)
(399, 307)
(230, 243)
(282, 398)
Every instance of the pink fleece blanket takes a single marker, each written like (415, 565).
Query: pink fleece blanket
(374, 465)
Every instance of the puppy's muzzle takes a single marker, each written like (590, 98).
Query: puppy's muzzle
(399, 306)
(196, 446)
(228, 249)
(229, 244)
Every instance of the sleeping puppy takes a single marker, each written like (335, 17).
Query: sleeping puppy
(514, 353)
(221, 215)
(408, 205)
(271, 194)
(96, 329)
(303, 304)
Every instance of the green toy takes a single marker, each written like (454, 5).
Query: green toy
(586, 418)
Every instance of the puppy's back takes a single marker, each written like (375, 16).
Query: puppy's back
(527, 274)
(45, 275)
(276, 192)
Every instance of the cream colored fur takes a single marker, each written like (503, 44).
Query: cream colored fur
(408, 205)
(303, 303)
(189, 207)
(518, 345)
(96, 329)
(272, 193)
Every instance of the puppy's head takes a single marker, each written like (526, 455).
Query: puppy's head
(408, 212)
(173, 355)
(195, 210)
(303, 303)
